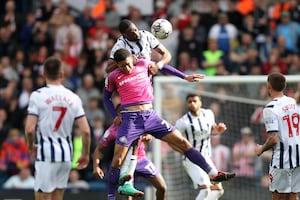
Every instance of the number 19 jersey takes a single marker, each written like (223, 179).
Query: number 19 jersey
(282, 115)
(56, 108)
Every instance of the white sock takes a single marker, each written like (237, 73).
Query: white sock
(213, 172)
(203, 194)
(215, 194)
(124, 167)
(132, 164)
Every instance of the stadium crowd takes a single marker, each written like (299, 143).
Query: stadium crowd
(231, 41)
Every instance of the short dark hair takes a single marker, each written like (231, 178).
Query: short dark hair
(190, 95)
(124, 25)
(52, 68)
(277, 81)
(121, 54)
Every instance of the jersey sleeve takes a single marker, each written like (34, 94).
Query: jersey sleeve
(107, 138)
(79, 111)
(118, 45)
(180, 125)
(32, 104)
(153, 41)
(110, 82)
(270, 120)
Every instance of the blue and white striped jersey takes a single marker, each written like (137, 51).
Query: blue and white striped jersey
(141, 48)
(56, 108)
(197, 130)
(281, 115)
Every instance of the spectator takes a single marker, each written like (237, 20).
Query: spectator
(243, 156)
(8, 43)
(136, 17)
(27, 88)
(234, 16)
(290, 31)
(22, 180)
(275, 63)
(93, 111)
(197, 22)
(188, 43)
(11, 18)
(211, 18)
(225, 33)
(87, 89)
(239, 54)
(46, 11)
(66, 32)
(220, 154)
(85, 20)
(76, 183)
(14, 153)
(59, 16)
(294, 67)
(252, 59)
(294, 11)
(213, 59)
(112, 16)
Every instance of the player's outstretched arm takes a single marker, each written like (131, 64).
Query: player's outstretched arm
(175, 72)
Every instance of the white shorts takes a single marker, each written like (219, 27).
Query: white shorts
(51, 175)
(284, 180)
(198, 175)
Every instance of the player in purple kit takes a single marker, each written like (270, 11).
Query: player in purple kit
(133, 83)
(144, 166)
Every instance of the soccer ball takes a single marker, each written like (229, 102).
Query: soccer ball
(161, 28)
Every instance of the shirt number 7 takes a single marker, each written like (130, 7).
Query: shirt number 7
(62, 111)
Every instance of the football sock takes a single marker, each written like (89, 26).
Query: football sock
(195, 156)
(215, 194)
(113, 178)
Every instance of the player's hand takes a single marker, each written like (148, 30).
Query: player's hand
(83, 161)
(258, 149)
(32, 153)
(154, 67)
(98, 172)
(194, 77)
(117, 120)
(221, 127)
(147, 138)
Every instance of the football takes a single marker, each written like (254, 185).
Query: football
(161, 28)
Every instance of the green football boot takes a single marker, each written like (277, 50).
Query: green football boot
(128, 190)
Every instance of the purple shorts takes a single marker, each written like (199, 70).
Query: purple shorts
(135, 123)
(145, 168)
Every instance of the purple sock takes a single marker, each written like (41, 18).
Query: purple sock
(113, 177)
(197, 158)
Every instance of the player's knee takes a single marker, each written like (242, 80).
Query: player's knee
(162, 188)
(117, 161)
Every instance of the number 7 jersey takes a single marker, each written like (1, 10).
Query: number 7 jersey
(281, 115)
(56, 108)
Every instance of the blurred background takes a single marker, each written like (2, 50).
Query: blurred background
(255, 38)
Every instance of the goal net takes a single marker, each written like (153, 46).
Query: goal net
(238, 102)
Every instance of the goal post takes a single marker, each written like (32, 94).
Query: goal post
(241, 99)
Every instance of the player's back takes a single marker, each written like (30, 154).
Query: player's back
(56, 108)
(286, 123)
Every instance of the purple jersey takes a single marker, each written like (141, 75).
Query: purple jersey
(138, 80)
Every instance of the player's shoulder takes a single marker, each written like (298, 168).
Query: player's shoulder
(207, 111)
